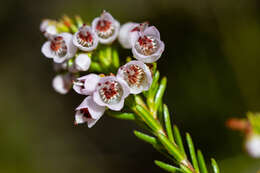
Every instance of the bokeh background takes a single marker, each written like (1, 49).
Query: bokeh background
(212, 60)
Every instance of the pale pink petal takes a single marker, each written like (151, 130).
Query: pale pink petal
(82, 62)
(152, 30)
(46, 50)
(146, 80)
(149, 58)
(125, 33)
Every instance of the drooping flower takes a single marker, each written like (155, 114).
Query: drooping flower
(125, 33)
(146, 44)
(106, 28)
(85, 39)
(48, 28)
(111, 92)
(137, 75)
(253, 145)
(62, 83)
(86, 85)
(88, 112)
(60, 48)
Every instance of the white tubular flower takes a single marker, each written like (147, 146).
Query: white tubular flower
(62, 83)
(253, 146)
(125, 33)
(60, 48)
(111, 92)
(82, 62)
(137, 75)
(106, 28)
(85, 39)
(88, 112)
(48, 28)
(86, 85)
(146, 44)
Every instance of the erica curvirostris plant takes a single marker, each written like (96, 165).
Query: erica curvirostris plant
(86, 59)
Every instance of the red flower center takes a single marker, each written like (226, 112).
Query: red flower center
(85, 112)
(134, 75)
(58, 46)
(146, 45)
(87, 37)
(103, 25)
(110, 92)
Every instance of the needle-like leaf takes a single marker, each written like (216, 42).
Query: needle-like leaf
(178, 139)
(168, 167)
(192, 152)
(146, 138)
(202, 164)
(171, 148)
(160, 92)
(215, 166)
(150, 121)
(167, 122)
(120, 115)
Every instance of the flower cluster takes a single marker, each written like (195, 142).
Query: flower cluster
(71, 47)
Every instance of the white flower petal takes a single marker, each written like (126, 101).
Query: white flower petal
(82, 62)
(94, 110)
(144, 83)
(152, 30)
(118, 105)
(94, 37)
(253, 146)
(61, 83)
(46, 50)
(149, 58)
(125, 33)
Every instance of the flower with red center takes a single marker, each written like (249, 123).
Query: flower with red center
(86, 85)
(106, 28)
(125, 33)
(137, 75)
(48, 28)
(111, 92)
(60, 48)
(62, 83)
(146, 44)
(88, 112)
(85, 39)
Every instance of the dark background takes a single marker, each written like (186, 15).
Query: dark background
(211, 60)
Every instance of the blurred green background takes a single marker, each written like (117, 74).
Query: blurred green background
(212, 60)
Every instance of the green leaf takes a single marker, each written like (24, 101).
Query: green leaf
(178, 139)
(150, 121)
(168, 167)
(171, 148)
(146, 138)
(152, 90)
(160, 92)
(215, 166)
(120, 115)
(105, 61)
(115, 58)
(192, 152)
(202, 164)
(167, 122)
(94, 66)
